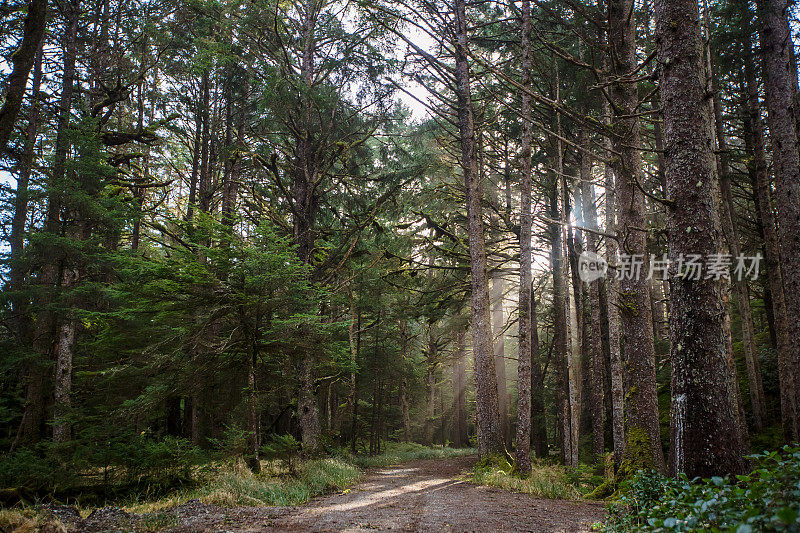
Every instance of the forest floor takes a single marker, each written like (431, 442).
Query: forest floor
(422, 495)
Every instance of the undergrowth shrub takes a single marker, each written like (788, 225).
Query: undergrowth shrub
(138, 464)
(767, 499)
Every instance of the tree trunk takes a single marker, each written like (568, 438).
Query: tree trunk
(234, 159)
(205, 189)
(560, 341)
(499, 345)
(731, 234)
(523, 438)
(33, 409)
(757, 401)
(490, 437)
(65, 332)
(403, 327)
(62, 400)
(776, 46)
(355, 351)
(593, 333)
(538, 414)
(305, 209)
(430, 381)
(252, 417)
(198, 140)
(22, 61)
(612, 293)
(17, 237)
(575, 317)
(705, 438)
(460, 439)
(775, 304)
(642, 432)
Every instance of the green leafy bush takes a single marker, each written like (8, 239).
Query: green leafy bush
(768, 499)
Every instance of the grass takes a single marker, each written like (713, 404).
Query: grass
(279, 484)
(28, 520)
(546, 480)
(240, 487)
(401, 452)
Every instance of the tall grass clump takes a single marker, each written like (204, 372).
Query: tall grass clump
(545, 481)
(237, 485)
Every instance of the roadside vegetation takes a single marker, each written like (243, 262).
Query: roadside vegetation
(547, 479)
(178, 473)
(766, 499)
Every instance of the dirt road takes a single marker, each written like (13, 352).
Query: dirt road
(429, 496)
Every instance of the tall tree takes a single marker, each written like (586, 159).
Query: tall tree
(523, 440)
(705, 439)
(642, 433)
(779, 87)
(490, 435)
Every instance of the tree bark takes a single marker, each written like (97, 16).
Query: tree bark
(205, 190)
(355, 351)
(560, 340)
(642, 432)
(705, 439)
(490, 437)
(431, 363)
(252, 406)
(776, 45)
(593, 333)
(731, 233)
(523, 437)
(612, 292)
(198, 140)
(757, 400)
(22, 61)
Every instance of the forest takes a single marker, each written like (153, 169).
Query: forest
(257, 237)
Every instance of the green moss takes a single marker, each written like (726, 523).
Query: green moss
(638, 453)
(604, 490)
(494, 462)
